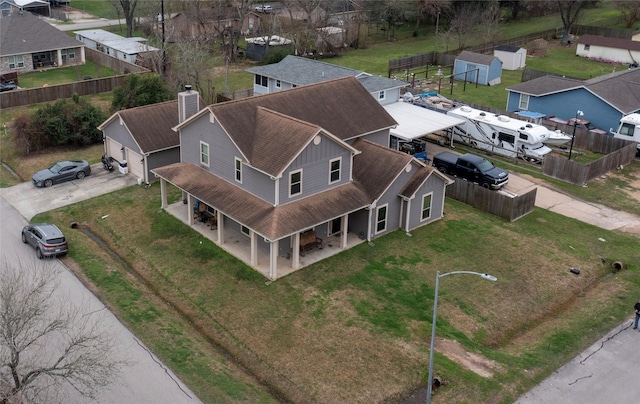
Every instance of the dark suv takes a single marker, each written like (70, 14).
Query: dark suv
(46, 238)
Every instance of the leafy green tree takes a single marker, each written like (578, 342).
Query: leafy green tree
(139, 90)
(71, 122)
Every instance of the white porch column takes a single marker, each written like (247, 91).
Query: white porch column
(163, 193)
(220, 227)
(344, 226)
(273, 260)
(295, 251)
(82, 55)
(254, 249)
(59, 57)
(190, 204)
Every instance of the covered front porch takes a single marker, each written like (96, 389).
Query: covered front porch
(239, 245)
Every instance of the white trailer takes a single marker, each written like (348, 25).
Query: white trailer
(629, 129)
(501, 134)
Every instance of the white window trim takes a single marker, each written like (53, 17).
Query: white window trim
(382, 95)
(386, 217)
(339, 160)
(278, 84)
(290, 183)
(237, 170)
(422, 209)
(202, 154)
(523, 103)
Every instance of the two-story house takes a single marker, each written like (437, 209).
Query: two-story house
(308, 166)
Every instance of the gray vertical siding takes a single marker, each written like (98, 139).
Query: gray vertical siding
(162, 158)
(120, 134)
(222, 153)
(394, 202)
(391, 96)
(434, 185)
(380, 137)
(314, 162)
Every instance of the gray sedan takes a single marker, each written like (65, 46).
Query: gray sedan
(60, 172)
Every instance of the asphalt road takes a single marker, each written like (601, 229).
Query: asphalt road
(144, 379)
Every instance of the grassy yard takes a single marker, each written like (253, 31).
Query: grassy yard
(355, 327)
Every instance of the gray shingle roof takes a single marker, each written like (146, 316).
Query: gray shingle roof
(302, 71)
(24, 32)
(474, 57)
(620, 89)
(151, 125)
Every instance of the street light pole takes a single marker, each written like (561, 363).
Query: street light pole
(433, 321)
(575, 123)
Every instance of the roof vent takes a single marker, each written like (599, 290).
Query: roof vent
(482, 114)
(187, 87)
(529, 125)
(503, 118)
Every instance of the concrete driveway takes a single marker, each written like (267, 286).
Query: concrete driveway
(30, 200)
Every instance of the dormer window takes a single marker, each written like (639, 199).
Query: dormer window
(295, 183)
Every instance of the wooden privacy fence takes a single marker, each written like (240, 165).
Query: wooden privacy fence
(30, 96)
(579, 174)
(509, 207)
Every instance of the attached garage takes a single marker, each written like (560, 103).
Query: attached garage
(135, 163)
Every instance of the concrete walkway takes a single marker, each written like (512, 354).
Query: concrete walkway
(595, 214)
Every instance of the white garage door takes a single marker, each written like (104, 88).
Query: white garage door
(134, 164)
(113, 149)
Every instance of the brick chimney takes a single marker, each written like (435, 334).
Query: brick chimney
(188, 103)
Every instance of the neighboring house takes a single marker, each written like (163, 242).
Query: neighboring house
(28, 43)
(308, 165)
(293, 71)
(603, 100)
(40, 7)
(512, 57)
(472, 66)
(611, 50)
(119, 47)
(180, 27)
(142, 137)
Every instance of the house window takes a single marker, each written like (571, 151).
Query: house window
(16, 62)
(204, 153)
(426, 206)
(381, 219)
(238, 170)
(334, 170)
(245, 230)
(278, 84)
(524, 102)
(262, 80)
(72, 53)
(381, 95)
(295, 183)
(63, 54)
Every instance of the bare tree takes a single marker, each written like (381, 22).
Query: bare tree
(630, 11)
(569, 12)
(129, 9)
(45, 343)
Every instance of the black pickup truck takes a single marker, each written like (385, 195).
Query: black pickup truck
(471, 168)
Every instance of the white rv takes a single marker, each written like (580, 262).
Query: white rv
(501, 134)
(629, 129)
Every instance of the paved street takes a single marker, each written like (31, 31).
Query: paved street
(145, 379)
